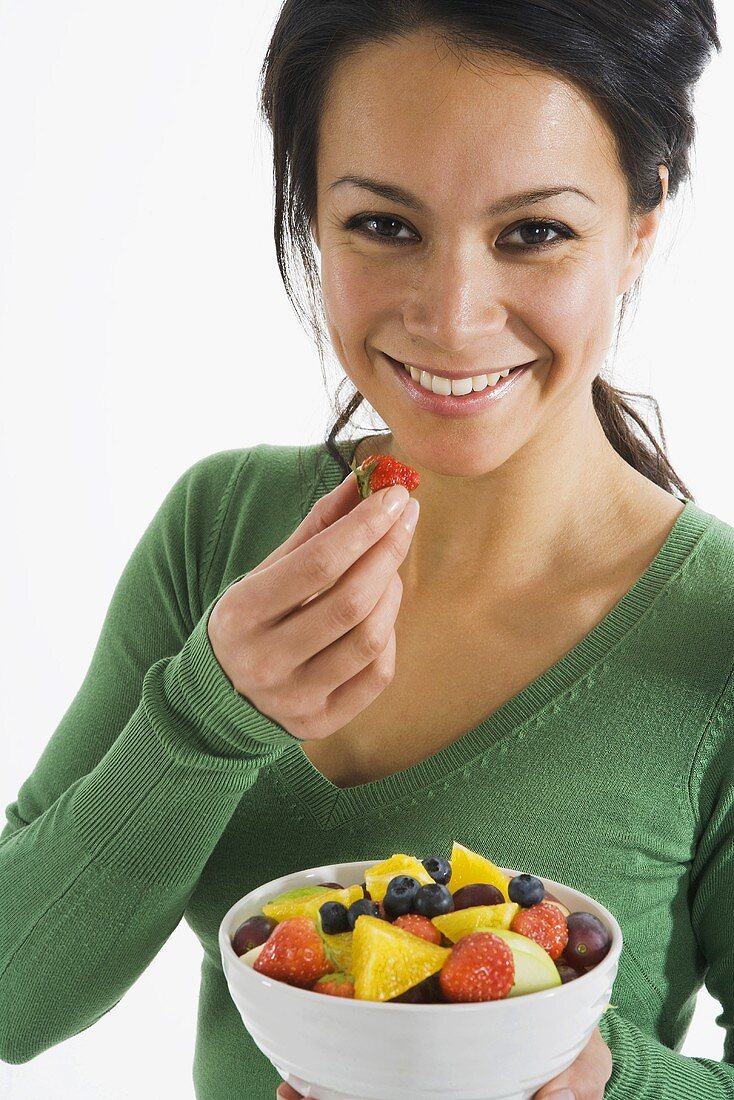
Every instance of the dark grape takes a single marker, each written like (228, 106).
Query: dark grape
(424, 993)
(253, 932)
(438, 868)
(365, 891)
(567, 972)
(478, 893)
(588, 941)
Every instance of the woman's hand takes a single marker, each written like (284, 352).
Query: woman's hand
(308, 635)
(586, 1077)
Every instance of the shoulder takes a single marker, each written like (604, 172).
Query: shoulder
(219, 475)
(707, 578)
(716, 545)
(234, 507)
(294, 475)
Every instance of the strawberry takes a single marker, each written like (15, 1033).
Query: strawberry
(295, 953)
(544, 923)
(379, 471)
(335, 985)
(479, 968)
(419, 926)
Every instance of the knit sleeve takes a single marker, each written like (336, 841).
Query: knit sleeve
(645, 1069)
(108, 835)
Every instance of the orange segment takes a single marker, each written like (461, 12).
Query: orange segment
(309, 905)
(377, 878)
(477, 918)
(468, 867)
(387, 961)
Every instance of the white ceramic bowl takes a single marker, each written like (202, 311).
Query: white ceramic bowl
(336, 1048)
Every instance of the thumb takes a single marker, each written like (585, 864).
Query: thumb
(285, 1092)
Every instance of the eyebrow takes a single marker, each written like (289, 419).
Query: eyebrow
(502, 206)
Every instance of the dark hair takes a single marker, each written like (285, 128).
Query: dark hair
(637, 61)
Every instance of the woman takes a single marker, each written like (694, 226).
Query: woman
(541, 668)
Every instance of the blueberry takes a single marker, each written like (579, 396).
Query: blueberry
(526, 890)
(334, 917)
(400, 895)
(438, 868)
(363, 907)
(433, 900)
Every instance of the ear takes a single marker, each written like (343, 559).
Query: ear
(315, 231)
(642, 238)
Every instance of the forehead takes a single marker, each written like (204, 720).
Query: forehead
(483, 122)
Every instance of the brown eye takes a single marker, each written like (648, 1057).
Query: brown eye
(535, 235)
(394, 225)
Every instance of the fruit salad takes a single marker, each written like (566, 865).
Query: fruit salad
(423, 931)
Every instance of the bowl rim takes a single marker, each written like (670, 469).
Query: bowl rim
(287, 990)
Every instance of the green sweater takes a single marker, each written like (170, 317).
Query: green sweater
(164, 794)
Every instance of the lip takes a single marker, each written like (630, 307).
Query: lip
(466, 405)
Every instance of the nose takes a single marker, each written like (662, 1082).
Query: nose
(455, 301)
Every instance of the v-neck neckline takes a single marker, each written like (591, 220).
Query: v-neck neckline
(331, 805)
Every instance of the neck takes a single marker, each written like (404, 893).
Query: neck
(551, 507)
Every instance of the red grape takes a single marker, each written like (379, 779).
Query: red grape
(253, 932)
(566, 971)
(588, 941)
(479, 893)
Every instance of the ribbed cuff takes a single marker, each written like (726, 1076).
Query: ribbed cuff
(219, 721)
(157, 802)
(643, 1068)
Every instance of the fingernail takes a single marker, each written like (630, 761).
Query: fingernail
(394, 499)
(564, 1094)
(410, 515)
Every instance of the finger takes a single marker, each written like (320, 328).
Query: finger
(317, 565)
(586, 1077)
(349, 700)
(285, 1092)
(327, 510)
(336, 641)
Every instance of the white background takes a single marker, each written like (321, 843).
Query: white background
(143, 325)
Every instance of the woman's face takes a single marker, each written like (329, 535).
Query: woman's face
(454, 285)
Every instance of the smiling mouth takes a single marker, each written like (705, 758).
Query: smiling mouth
(416, 376)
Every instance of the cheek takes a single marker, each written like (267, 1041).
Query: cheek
(352, 292)
(573, 309)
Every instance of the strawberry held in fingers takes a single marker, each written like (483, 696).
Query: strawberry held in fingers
(379, 471)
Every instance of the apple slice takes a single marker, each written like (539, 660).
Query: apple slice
(558, 904)
(534, 968)
(249, 956)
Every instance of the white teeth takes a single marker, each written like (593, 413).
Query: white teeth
(454, 386)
